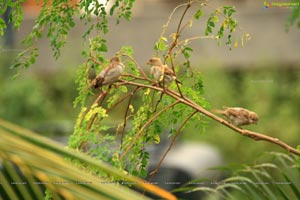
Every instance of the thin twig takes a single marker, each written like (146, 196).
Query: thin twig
(187, 40)
(154, 172)
(176, 82)
(138, 77)
(174, 43)
(182, 17)
(93, 58)
(100, 97)
(177, 34)
(146, 125)
(137, 65)
(158, 101)
(125, 116)
(120, 101)
(169, 19)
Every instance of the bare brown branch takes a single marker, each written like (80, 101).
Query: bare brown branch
(126, 114)
(177, 34)
(158, 101)
(190, 103)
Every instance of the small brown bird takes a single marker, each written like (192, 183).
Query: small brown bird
(109, 74)
(161, 72)
(239, 116)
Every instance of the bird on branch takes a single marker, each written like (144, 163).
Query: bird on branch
(161, 73)
(238, 116)
(109, 74)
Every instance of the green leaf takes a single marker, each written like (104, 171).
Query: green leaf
(127, 50)
(71, 23)
(208, 30)
(161, 45)
(215, 19)
(32, 60)
(198, 14)
(292, 184)
(103, 48)
(123, 89)
(2, 26)
(227, 7)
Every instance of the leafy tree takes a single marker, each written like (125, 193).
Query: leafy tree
(172, 108)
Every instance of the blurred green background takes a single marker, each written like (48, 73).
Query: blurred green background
(269, 89)
(263, 77)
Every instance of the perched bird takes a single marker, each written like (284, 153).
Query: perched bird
(109, 74)
(239, 116)
(161, 72)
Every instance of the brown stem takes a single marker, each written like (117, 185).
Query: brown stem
(138, 77)
(176, 82)
(125, 115)
(158, 101)
(174, 43)
(177, 34)
(84, 143)
(93, 58)
(146, 125)
(175, 40)
(251, 134)
(154, 172)
(181, 19)
(121, 100)
(100, 97)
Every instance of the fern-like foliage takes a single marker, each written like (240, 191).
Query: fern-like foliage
(276, 179)
(33, 167)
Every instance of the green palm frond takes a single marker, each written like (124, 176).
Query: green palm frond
(31, 164)
(278, 179)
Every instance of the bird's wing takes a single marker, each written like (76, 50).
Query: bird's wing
(232, 112)
(114, 71)
(100, 78)
(106, 70)
(152, 70)
(168, 71)
(156, 71)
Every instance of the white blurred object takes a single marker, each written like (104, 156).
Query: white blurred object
(194, 158)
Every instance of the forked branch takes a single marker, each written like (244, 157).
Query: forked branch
(146, 125)
(154, 172)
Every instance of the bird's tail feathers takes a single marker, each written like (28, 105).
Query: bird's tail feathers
(177, 81)
(217, 111)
